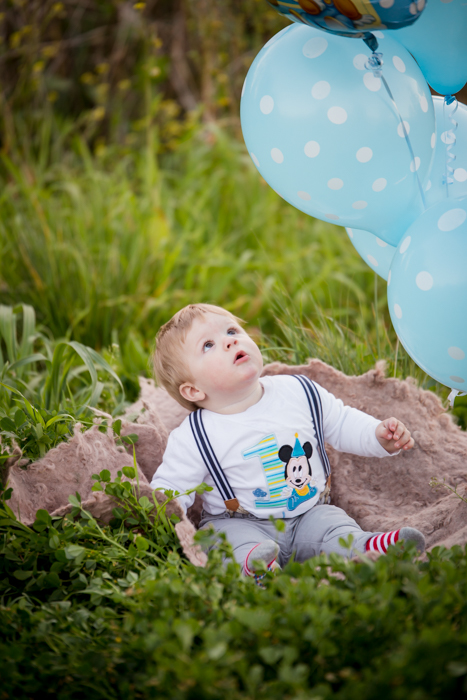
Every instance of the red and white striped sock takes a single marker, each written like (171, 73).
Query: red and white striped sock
(380, 543)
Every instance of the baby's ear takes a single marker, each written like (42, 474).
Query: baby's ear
(191, 393)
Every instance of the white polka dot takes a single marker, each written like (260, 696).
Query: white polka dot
(420, 5)
(433, 140)
(413, 8)
(379, 184)
(361, 204)
(359, 61)
(371, 82)
(335, 183)
(389, 278)
(337, 115)
(277, 155)
(452, 219)
(400, 130)
(364, 154)
(386, 3)
(320, 90)
(381, 243)
(311, 149)
(398, 311)
(448, 137)
(455, 378)
(415, 164)
(304, 195)
(424, 281)
(424, 103)
(333, 217)
(378, 35)
(254, 159)
(456, 353)
(460, 174)
(266, 104)
(398, 64)
(428, 186)
(350, 232)
(315, 47)
(372, 260)
(404, 245)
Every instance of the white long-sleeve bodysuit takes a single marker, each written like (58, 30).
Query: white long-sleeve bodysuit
(247, 446)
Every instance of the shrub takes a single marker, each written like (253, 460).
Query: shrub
(114, 625)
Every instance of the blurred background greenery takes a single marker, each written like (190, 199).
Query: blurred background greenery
(126, 192)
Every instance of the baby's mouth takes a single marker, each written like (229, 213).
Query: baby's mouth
(240, 356)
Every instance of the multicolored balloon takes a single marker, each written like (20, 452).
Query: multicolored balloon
(351, 18)
(323, 132)
(427, 292)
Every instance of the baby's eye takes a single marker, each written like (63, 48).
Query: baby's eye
(232, 331)
(208, 345)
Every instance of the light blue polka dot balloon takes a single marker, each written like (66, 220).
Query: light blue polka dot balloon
(427, 292)
(376, 253)
(456, 138)
(324, 134)
(438, 41)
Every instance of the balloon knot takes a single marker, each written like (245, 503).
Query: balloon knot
(375, 63)
(454, 394)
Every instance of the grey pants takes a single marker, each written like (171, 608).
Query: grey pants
(318, 530)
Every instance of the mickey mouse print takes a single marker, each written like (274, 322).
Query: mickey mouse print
(298, 473)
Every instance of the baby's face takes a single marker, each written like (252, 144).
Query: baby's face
(222, 359)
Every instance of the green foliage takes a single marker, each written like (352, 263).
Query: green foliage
(436, 484)
(460, 411)
(43, 394)
(61, 558)
(113, 69)
(35, 430)
(391, 629)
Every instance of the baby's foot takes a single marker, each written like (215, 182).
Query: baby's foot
(380, 543)
(265, 552)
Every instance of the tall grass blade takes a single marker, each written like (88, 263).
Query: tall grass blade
(29, 328)
(8, 331)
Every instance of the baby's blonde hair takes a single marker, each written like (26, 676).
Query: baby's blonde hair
(168, 359)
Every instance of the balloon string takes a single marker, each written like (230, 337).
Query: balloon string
(454, 393)
(450, 140)
(375, 64)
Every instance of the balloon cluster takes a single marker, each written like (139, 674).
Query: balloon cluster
(348, 132)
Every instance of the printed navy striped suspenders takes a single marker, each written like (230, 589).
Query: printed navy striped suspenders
(212, 463)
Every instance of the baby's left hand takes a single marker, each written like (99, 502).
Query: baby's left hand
(393, 435)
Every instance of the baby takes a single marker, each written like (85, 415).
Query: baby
(259, 442)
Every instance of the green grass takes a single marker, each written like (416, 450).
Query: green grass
(107, 247)
(120, 241)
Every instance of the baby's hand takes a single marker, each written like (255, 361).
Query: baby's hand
(393, 435)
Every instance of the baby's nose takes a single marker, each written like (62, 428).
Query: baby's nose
(229, 342)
